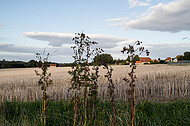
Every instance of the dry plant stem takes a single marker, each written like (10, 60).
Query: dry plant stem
(131, 50)
(95, 91)
(75, 108)
(111, 88)
(82, 79)
(132, 85)
(44, 108)
(86, 73)
(43, 82)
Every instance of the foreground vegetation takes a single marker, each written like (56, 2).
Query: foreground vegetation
(61, 113)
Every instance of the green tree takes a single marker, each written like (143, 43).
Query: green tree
(32, 63)
(136, 58)
(179, 57)
(103, 59)
(186, 55)
(120, 61)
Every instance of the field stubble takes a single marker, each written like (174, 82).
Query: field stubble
(155, 83)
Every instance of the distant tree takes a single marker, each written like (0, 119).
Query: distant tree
(120, 61)
(186, 55)
(180, 57)
(103, 59)
(32, 63)
(162, 62)
(114, 61)
(136, 58)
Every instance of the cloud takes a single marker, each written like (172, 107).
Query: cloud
(118, 19)
(58, 39)
(54, 39)
(1, 38)
(26, 53)
(126, 42)
(171, 17)
(164, 50)
(134, 3)
(157, 50)
(64, 54)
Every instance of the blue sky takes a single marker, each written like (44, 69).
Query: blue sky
(27, 27)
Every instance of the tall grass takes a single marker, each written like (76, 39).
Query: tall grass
(60, 113)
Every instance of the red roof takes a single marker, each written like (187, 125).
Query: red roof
(52, 64)
(168, 58)
(145, 59)
(138, 61)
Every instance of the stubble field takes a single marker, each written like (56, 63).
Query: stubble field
(154, 83)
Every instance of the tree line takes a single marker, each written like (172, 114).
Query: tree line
(185, 56)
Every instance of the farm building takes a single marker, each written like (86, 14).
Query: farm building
(143, 60)
(168, 59)
(138, 62)
(174, 60)
(52, 65)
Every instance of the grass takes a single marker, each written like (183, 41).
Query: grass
(174, 113)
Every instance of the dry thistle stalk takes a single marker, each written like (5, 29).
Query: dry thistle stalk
(44, 81)
(83, 82)
(111, 88)
(133, 50)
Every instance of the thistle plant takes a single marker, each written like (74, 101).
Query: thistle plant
(111, 89)
(83, 82)
(132, 50)
(44, 81)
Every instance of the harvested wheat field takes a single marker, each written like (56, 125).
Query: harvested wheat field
(155, 83)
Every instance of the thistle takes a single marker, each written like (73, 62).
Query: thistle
(44, 81)
(132, 51)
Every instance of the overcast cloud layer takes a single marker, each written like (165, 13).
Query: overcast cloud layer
(171, 17)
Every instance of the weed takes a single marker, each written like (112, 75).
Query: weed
(44, 81)
(83, 82)
(132, 51)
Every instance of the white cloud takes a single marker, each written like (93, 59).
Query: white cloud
(164, 50)
(134, 3)
(13, 52)
(148, 0)
(58, 39)
(118, 19)
(54, 39)
(172, 17)
(126, 42)
(157, 50)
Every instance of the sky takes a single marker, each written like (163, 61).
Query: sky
(28, 27)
